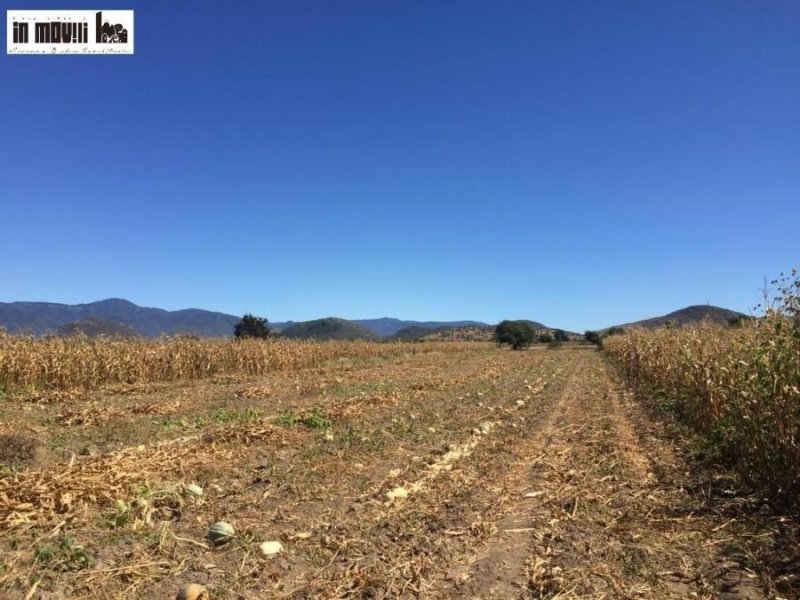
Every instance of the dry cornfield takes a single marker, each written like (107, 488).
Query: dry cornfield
(431, 470)
(80, 362)
(739, 386)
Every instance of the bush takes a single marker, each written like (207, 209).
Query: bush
(517, 334)
(593, 337)
(251, 327)
(560, 335)
(545, 337)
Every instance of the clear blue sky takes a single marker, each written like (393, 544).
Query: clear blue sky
(576, 163)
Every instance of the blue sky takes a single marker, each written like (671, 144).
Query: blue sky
(576, 163)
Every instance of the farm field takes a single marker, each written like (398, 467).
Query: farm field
(479, 473)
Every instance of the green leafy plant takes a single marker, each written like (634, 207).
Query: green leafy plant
(286, 418)
(316, 419)
(170, 424)
(68, 556)
(313, 419)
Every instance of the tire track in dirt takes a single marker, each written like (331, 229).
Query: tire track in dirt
(607, 514)
(498, 568)
(634, 531)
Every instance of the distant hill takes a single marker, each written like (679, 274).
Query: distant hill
(95, 327)
(461, 333)
(279, 326)
(388, 326)
(414, 332)
(42, 317)
(467, 333)
(329, 328)
(689, 315)
(536, 324)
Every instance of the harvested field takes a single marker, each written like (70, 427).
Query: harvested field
(481, 473)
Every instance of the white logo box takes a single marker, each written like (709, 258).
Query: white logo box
(69, 31)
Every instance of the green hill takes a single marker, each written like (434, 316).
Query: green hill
(330, 328)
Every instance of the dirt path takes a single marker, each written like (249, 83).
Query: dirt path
(602, 511)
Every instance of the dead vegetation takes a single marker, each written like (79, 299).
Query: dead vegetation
(738, 386)
(481, 473)
(76, 363)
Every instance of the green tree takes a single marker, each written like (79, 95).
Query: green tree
(251, 326)
(545, 337)
(593, 337)
(560, 335)
(517, 334)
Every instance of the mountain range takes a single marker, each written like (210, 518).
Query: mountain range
(40, 318)
(116, 316)
(387, 326)
(120, 317)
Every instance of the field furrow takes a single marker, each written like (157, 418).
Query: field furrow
(480, 474)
